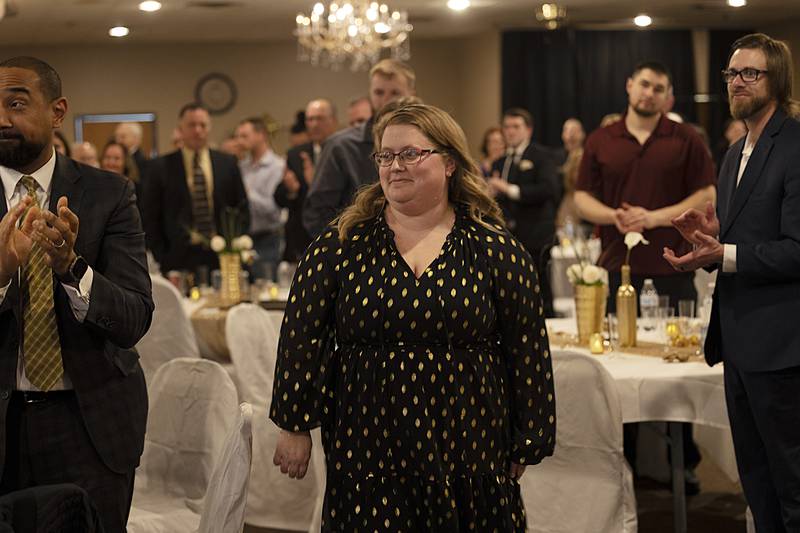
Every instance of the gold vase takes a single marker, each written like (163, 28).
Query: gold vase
(590, 308)
(230, 265)
(626, 309)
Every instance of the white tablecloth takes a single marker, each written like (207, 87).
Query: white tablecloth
(651, 389)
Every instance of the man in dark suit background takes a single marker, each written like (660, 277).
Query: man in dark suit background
(754, 241)
(74, 301)
(525, 183)
(188, 194)
(320, 117)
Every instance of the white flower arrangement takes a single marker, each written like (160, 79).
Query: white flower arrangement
(231, 240)
(633, 238)
(587, 274)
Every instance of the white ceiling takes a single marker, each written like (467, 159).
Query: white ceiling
(46, 22)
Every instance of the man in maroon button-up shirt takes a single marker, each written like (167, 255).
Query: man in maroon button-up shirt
(637, 175)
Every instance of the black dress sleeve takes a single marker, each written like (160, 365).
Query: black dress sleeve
(304, 347)
(523, 339)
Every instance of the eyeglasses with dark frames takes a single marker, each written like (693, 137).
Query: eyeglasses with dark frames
(409, 156)
(748, 75)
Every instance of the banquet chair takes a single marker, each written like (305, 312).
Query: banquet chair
(274, 501)
(171, 334)
(586, 486)
(196, 435)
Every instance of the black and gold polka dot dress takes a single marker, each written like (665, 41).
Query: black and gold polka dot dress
(426, 389)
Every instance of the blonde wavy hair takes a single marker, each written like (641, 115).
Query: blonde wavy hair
(465, 186)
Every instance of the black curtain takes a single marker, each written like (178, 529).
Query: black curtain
(719, 44)
(565, 73)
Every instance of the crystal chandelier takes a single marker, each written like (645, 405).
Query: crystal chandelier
(355, 30)
(552, 15)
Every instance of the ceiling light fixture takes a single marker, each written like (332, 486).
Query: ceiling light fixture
(552, 15)
(737, 3)
(119, 31)
(357, 31)
(458, 5)
(642, 21)
(149, 6)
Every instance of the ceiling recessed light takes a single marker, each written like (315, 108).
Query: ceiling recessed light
(119, 31)
(642, 21)
(458, 5)
(150, 6)
(737, 3)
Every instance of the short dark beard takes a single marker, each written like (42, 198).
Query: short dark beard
(22, 155)
(644, 113)
(749, 108)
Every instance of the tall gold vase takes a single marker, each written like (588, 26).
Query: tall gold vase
(230, 265)
(626, 309)
(590, 308)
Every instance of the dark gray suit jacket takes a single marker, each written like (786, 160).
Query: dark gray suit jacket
(98, 354)
(754, 319)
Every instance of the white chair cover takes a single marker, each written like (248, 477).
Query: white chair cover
(586, 486)
(193, 406)
(171, 334)
(274, 501)
(224, 504)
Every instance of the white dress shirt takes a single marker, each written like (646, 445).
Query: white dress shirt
(513, 157)
(78, 297)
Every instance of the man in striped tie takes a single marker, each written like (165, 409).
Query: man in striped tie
(74, 300)
(187, 193)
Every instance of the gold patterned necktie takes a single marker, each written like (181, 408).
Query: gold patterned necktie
(41, 345)
(203, 220)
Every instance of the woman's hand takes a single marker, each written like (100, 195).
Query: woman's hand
(292, 453)
(516, 471)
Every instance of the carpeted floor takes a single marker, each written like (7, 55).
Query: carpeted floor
(719, 508)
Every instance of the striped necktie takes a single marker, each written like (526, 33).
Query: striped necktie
(203, 222)
(41, 344)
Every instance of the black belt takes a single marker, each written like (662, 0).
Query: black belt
(35, 396)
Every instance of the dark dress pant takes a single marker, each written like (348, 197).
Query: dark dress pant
(764, 411)
(47, 443)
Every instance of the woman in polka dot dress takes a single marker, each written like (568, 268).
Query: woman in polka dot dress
(414, 335)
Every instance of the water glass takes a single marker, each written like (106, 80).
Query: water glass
(216, 280)
(686, 308)
(613, 331)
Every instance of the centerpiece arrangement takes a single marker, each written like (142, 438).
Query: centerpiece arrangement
(232, 248)
(591, 292)
(626, 294)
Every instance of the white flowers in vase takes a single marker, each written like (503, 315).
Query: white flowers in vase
(632, 238)
(231, 241)
(587, 274)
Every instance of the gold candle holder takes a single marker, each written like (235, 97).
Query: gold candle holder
(596, 343)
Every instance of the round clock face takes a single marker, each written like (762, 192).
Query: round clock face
(216, 92)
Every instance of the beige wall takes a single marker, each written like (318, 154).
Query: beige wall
(460, 75)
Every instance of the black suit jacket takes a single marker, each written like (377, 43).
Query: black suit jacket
(297, 238)
(532, 218)
(755, 311)
(168, 209)
(98, 354)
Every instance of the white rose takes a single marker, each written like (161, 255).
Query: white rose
(591, 274)
(632, 238)
(604, 276)
(217, 243)
(243, 242)
(574, 273)
(248, 256)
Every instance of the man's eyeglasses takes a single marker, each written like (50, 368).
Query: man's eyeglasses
(748, 75)
(409, 156)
